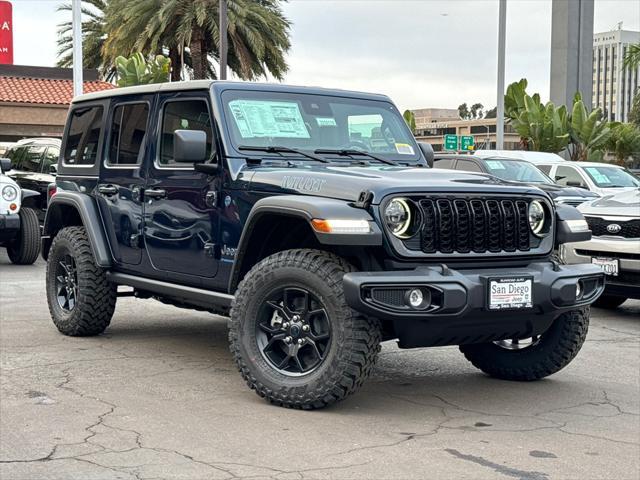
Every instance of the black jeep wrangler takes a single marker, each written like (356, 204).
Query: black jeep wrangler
(313, 219)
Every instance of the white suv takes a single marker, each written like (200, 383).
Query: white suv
(19, 228)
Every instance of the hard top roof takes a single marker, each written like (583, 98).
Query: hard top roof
(219, 86)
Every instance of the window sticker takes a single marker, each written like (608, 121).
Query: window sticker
(495, 165)
(326, 122)
(404, 149)
(263, 118)
(597, 176)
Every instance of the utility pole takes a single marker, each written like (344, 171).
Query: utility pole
(223, 25)
(76, 22)
(502, 30)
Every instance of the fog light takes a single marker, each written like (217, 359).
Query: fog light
(415, 298)
(578, 290)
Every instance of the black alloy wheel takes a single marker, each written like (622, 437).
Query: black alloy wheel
(66, 283)
(293, 331)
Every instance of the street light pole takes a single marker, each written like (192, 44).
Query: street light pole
(76, 22)
(223, 25)
(502, 28)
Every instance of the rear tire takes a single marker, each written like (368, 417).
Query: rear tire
(81, 300)
(553, 351)
(25, 249)
(609, 301)
(313, 279)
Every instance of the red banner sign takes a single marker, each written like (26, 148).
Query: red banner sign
(6, 33)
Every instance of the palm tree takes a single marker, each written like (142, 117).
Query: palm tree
(93, 36)
(632, 56)
(258, 34)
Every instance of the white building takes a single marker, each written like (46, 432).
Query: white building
(613, 85)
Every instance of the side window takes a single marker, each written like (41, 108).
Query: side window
(32, 160)
(568, 176)
(50, 158)
(544, 168)
(183, 115)
(444, 163)
(83, 136)
(15, 155)
(468, 166)
(128, 130)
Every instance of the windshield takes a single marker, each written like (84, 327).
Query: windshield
(612, 177)
(311, 122)
(515, 171)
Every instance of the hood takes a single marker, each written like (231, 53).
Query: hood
(624, 204)
(346, 182)
(556, 191)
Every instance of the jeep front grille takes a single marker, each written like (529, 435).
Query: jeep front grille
(628, 229)
(472, 225)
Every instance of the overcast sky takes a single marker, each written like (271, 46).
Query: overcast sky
(423, 53)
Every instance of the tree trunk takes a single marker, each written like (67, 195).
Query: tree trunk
(198, 54)
(176, 64)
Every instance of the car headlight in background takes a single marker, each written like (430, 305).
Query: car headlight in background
(9, 193)
(402, 217)
(537, 217)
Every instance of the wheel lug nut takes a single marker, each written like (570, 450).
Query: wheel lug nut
(300, 341)
(285, 325)
(305, 328)
(288, 339)
(296, 318)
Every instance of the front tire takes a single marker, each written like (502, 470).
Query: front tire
(609, 301)
(541, 357)
(25, 249)
(295, 340)
(81, 300)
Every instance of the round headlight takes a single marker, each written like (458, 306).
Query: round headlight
(536, 217)
(397, 216)
(9, 193)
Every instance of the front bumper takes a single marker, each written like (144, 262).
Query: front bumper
(9, 226)
(459, 313)
(626, 250)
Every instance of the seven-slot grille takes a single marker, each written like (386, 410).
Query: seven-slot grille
(629, 229)
(472, 225)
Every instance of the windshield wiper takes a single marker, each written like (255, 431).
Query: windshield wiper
(352, 153)
(281, 149)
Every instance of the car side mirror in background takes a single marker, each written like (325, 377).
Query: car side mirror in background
(189, 146)
(571, 183)
(53, 169)
(427, 152)
(5, 165)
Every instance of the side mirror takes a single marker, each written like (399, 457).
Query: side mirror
(5, 165)
(572, 183)
(427, 152)
(53, 169)
(189, 146)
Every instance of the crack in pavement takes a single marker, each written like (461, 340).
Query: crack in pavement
(497, 467)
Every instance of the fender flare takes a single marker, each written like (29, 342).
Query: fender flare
(28, 193)
(306, 208)
(91, 221)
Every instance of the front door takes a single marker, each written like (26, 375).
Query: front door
(180, 212)
(119, 192)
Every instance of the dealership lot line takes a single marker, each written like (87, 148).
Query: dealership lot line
(158, 396)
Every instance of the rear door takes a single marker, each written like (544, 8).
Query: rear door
(181, 213)
(119, 192)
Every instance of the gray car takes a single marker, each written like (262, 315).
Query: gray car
(615, 245)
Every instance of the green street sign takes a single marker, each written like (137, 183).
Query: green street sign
(466, 142)
(451, 142)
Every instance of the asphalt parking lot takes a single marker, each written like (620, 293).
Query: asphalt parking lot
(158, 397)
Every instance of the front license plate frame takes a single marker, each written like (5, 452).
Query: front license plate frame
(603, 262)
(508, 293)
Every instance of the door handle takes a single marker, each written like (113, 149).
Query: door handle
(108, 190)
(155, 193)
